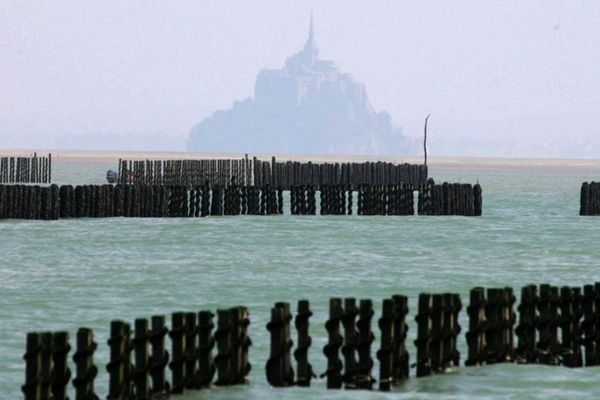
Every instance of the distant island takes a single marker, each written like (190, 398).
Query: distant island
(308, 106)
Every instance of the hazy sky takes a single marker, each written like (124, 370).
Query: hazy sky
(489, 71)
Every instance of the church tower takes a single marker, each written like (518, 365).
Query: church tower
(311, 50)
(308, 58)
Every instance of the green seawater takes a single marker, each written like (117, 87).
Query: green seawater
(72, 273)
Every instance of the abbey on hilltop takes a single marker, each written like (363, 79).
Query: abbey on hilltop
(309, 106)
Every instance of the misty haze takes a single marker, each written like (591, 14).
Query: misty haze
(508, 79)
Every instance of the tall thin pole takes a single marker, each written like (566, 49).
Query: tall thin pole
(425, 138)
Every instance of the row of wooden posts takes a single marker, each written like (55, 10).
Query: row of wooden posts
(254, 172)
(101, 201)
(450, 199)
(543, 312)
(349, 361)
(26, 169)
(339, 199)
(350, 341)
(590, 198)
(139, 358)
(189, 173)
(29, 202)
(159, 201)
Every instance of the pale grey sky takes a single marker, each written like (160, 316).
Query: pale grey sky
(499, 77)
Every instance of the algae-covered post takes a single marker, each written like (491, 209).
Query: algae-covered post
(588, 325)
(335, 342)
(223, 338)
(349, 349)
(437, 333)
(508, 323)
(365, 339)
(33, 364)
(119, 383)
(590, 199)
(547, 346)
(279, 369)
(141, 355)
(206, 343)
(526, 351)
(423, 335)
(240, 365)
(85, 369)
(455, 328)
(385, 354)
(191, 353)
(160, 357)
(304, 371)
(400, 354)
(61, 374)
(178, 343)
(570, 352)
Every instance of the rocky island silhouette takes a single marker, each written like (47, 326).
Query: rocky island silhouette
(308, 106)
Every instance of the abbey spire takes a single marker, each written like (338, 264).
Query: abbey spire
(310, 47)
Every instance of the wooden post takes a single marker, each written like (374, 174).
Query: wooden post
(567, 328)
(61, 373)
(423, 336)
(493, 333)
(304, 370)
(332, 348)
(85, 369)
(223, 340)
(584, 199)
(190, 353)
(349, 348)
(350, 194)
(33, 363)
(141, 347)
(577, 336)
(588, 326)
(547, 344)
(477, 200)
(120, 364)
(526, 351)
(178, 351)
(437, 333)
(365, 339)
(206, 343)
(216, 206)
(278, 368)
(400, 354)
(240, 366)
(508, 322)
(385, 355)
(49, 168)
(454, 305)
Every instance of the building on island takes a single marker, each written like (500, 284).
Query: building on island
(308, 106)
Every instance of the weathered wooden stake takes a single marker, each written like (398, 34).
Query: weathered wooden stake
(85, 369)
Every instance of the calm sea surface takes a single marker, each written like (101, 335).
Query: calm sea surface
(67, 274)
